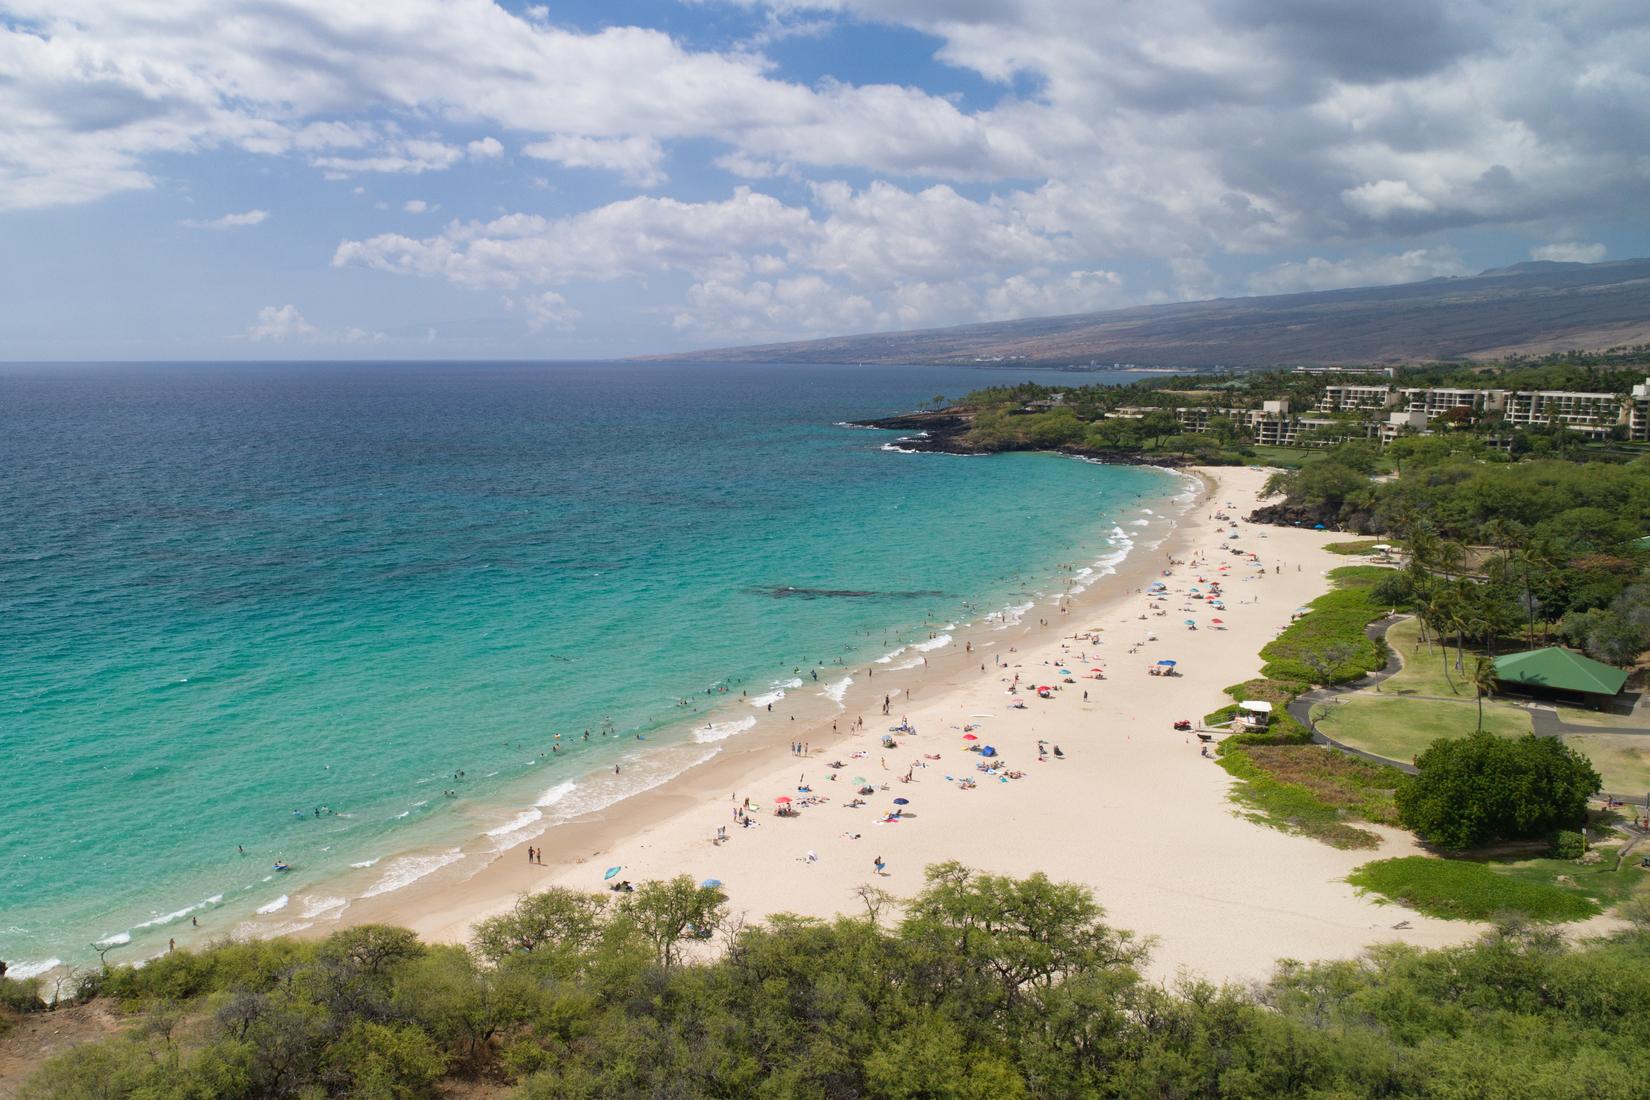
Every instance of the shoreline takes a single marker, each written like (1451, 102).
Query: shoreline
(1145, 823)
(1132, 810)
(743, 757)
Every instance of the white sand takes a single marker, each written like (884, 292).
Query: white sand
(1133, 811)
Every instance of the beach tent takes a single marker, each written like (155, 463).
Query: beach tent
(988, 751)
(1555, 669)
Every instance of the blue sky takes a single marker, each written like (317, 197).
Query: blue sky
(467, 179)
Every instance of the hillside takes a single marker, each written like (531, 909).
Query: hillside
(1531, 308)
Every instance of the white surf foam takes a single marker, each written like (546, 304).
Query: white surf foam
(721, 731)
(837, 691)
(939, 641)
(889, 656)
(516, 824)
(1140, 523)
(409, 869)
(324, 907)
(115, 940)
(367, 862)
(25, 970)
(275, 906)
(557, 793)
(768, 698)
(179, 914)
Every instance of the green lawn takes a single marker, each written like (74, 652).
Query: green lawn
(1621, 759)
(1459, 889)
(1400, 729)
(1424, 666)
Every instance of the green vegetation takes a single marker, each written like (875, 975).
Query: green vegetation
(1312, 791)
(1401, 728)
(1480, 788)
(1328, 645)
(1462, 890)
(986, 987)
(1622, 760)
(1356, 546)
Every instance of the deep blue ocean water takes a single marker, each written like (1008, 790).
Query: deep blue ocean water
(231, 596)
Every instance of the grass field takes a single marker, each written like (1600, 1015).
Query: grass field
(1459, 889)
(1423, 671)
(1291, 458)
(1401, 728)
(1621, 759)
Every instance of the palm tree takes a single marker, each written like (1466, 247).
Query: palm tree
(1484, 682)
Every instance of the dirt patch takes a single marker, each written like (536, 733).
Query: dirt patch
(39, 1035)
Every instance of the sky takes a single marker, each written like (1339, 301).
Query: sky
(454, 179)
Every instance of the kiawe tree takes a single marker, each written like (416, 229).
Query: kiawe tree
(1476, 789)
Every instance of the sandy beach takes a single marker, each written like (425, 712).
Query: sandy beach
(1132, 808)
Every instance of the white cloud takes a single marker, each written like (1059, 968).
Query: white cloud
(636, 159)
(278, 324)
(1569, 252)
(1075, 292)
(546, 310)
(419, 206)
(1317, 273)
(634, 237)
(1200, 135)
(1380, 199)
(284, 324)
(228, 221)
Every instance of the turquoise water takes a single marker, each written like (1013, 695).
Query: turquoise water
(233, 596)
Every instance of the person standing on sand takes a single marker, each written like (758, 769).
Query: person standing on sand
(879, 865)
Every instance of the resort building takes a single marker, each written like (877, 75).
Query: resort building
(1638, 413)
(1412, 419)
(1437, 402)
(1349, 398)
(1593, 414)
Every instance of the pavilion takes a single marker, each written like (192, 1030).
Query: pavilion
(1558, 671)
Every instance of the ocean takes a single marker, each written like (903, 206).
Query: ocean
(323, 614)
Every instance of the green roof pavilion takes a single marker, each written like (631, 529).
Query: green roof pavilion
(1557, 669)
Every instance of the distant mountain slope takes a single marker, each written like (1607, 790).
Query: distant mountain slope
(1529, 308)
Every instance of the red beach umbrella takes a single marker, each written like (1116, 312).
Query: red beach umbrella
(783, 798)
(1220, 621)
(969, 737)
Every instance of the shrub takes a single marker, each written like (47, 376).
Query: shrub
(21, 995)
(1460, 890)
(1568, 844)
(1475, 789)
(1328, 644)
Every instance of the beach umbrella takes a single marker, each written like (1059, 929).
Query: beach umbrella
(711, 883)
(783, 798)
(1191, 622)
(1169, 663)
(969, 737)
(1221, 621)
(860, 780)
(902, 801)
(611, 871)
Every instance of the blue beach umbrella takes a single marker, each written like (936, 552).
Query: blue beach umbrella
(611, 871)
(711, 883)
(902, 801)
(1169, 664)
